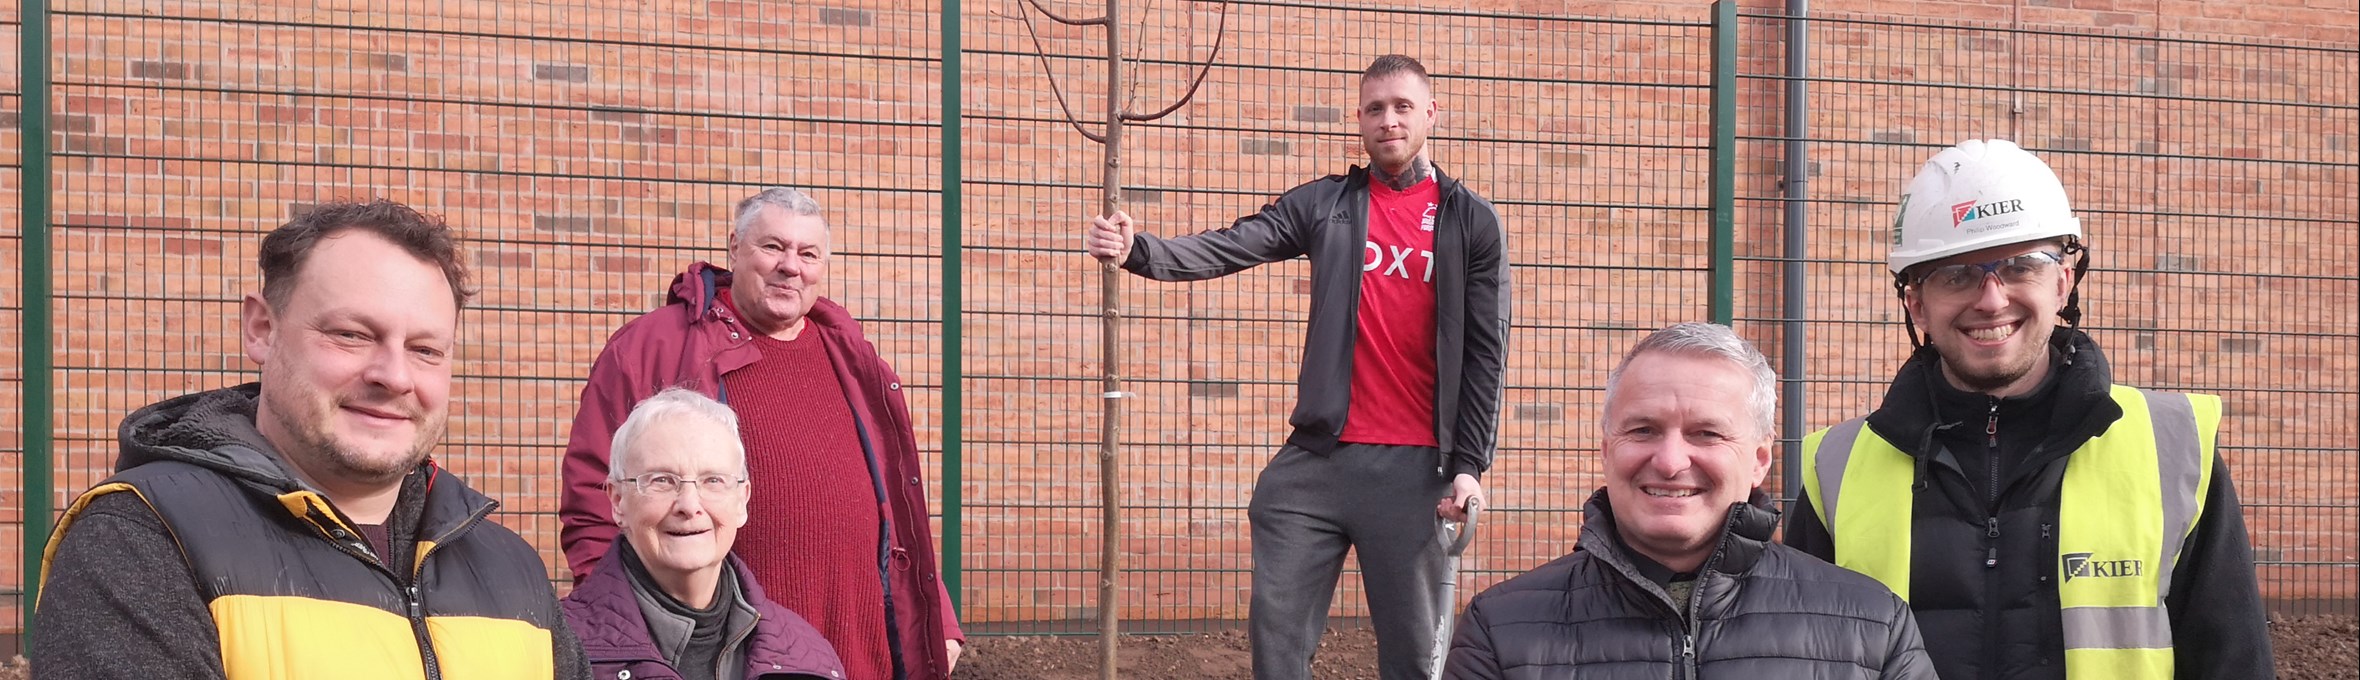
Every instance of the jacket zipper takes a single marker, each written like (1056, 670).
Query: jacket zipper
(1683, 667)
(1991, 491)
(1689, 624)
(741, 639)
(886, 551)
(1991, 606)
(1991, 539)
(418, 627)
(1991, 455)
(418, 604)
(1687, 653)
(414, 608)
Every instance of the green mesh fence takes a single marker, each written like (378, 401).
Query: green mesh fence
(586, 154)
(589, 151)
(2214, 181)
(1589, 135)
(12, 290)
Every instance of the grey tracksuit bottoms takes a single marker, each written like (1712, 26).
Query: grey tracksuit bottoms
(1306, 510)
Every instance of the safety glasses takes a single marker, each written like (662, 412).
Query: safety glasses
(1966, 279)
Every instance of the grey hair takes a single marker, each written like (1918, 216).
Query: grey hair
(794, 201)
(672, 403)
(1712, 340)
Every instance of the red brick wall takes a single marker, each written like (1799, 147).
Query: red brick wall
(589, 150)
(2222, 227)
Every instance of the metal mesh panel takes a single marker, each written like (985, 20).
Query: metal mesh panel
(12, 306)
(1588, 134)
(585, 153)
(588, 151)
(2214, 182)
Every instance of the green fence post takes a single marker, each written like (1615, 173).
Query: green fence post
(1724, 172)
(951, 496)
(34, 204)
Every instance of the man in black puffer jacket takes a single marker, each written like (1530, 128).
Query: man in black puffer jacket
(1674, 575)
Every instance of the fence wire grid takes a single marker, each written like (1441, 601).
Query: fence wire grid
(588, 151)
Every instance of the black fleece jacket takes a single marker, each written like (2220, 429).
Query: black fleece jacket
(2003, 621)
(1327, 220)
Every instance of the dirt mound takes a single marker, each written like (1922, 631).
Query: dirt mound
(2316, 647)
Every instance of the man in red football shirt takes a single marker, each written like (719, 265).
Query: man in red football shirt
(1400, 387)
(839, 533)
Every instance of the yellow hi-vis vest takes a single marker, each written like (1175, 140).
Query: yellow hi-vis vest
(2129, 499)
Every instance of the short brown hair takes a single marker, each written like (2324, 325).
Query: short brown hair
(425, 237)
(1395, 64)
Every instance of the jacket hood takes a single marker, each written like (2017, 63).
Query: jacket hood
(2074, 398)
(213, 430)
(699, 288)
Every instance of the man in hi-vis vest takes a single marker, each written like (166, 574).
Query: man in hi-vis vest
(2041, 520)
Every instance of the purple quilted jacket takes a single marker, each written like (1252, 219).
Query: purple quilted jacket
(605, 614)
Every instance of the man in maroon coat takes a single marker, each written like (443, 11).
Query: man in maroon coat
(839, 533)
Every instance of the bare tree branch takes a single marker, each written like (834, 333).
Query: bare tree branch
(1093, 21)
(1139, 47)
(1218, 35)
(1051, 76)
(1110, 464)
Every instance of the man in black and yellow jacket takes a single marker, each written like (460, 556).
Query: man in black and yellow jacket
(296, 528)
(2042, 520)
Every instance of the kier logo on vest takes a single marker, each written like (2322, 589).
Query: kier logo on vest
(2079, 565)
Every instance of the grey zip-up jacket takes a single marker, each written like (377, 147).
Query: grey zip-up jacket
(1327, 220)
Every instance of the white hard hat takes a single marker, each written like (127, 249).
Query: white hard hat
(1979, 194)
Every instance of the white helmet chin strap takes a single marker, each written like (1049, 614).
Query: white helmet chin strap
(2071, 312)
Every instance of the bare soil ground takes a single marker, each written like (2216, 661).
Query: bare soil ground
(2316, 647)
(2307, 648)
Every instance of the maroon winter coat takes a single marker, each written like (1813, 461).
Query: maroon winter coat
(690, 342)
(605, 613)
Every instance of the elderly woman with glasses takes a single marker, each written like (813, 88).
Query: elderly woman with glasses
(669, 601)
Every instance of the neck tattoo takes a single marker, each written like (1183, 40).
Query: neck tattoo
(1419, 169)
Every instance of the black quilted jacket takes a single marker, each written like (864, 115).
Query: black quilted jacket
(1760, 611)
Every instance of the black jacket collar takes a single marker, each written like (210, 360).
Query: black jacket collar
(2075, 400)
(215, 430)
(1358, 177)
(1745, 531)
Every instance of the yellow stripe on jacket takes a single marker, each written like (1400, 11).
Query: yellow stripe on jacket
(274, 637)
